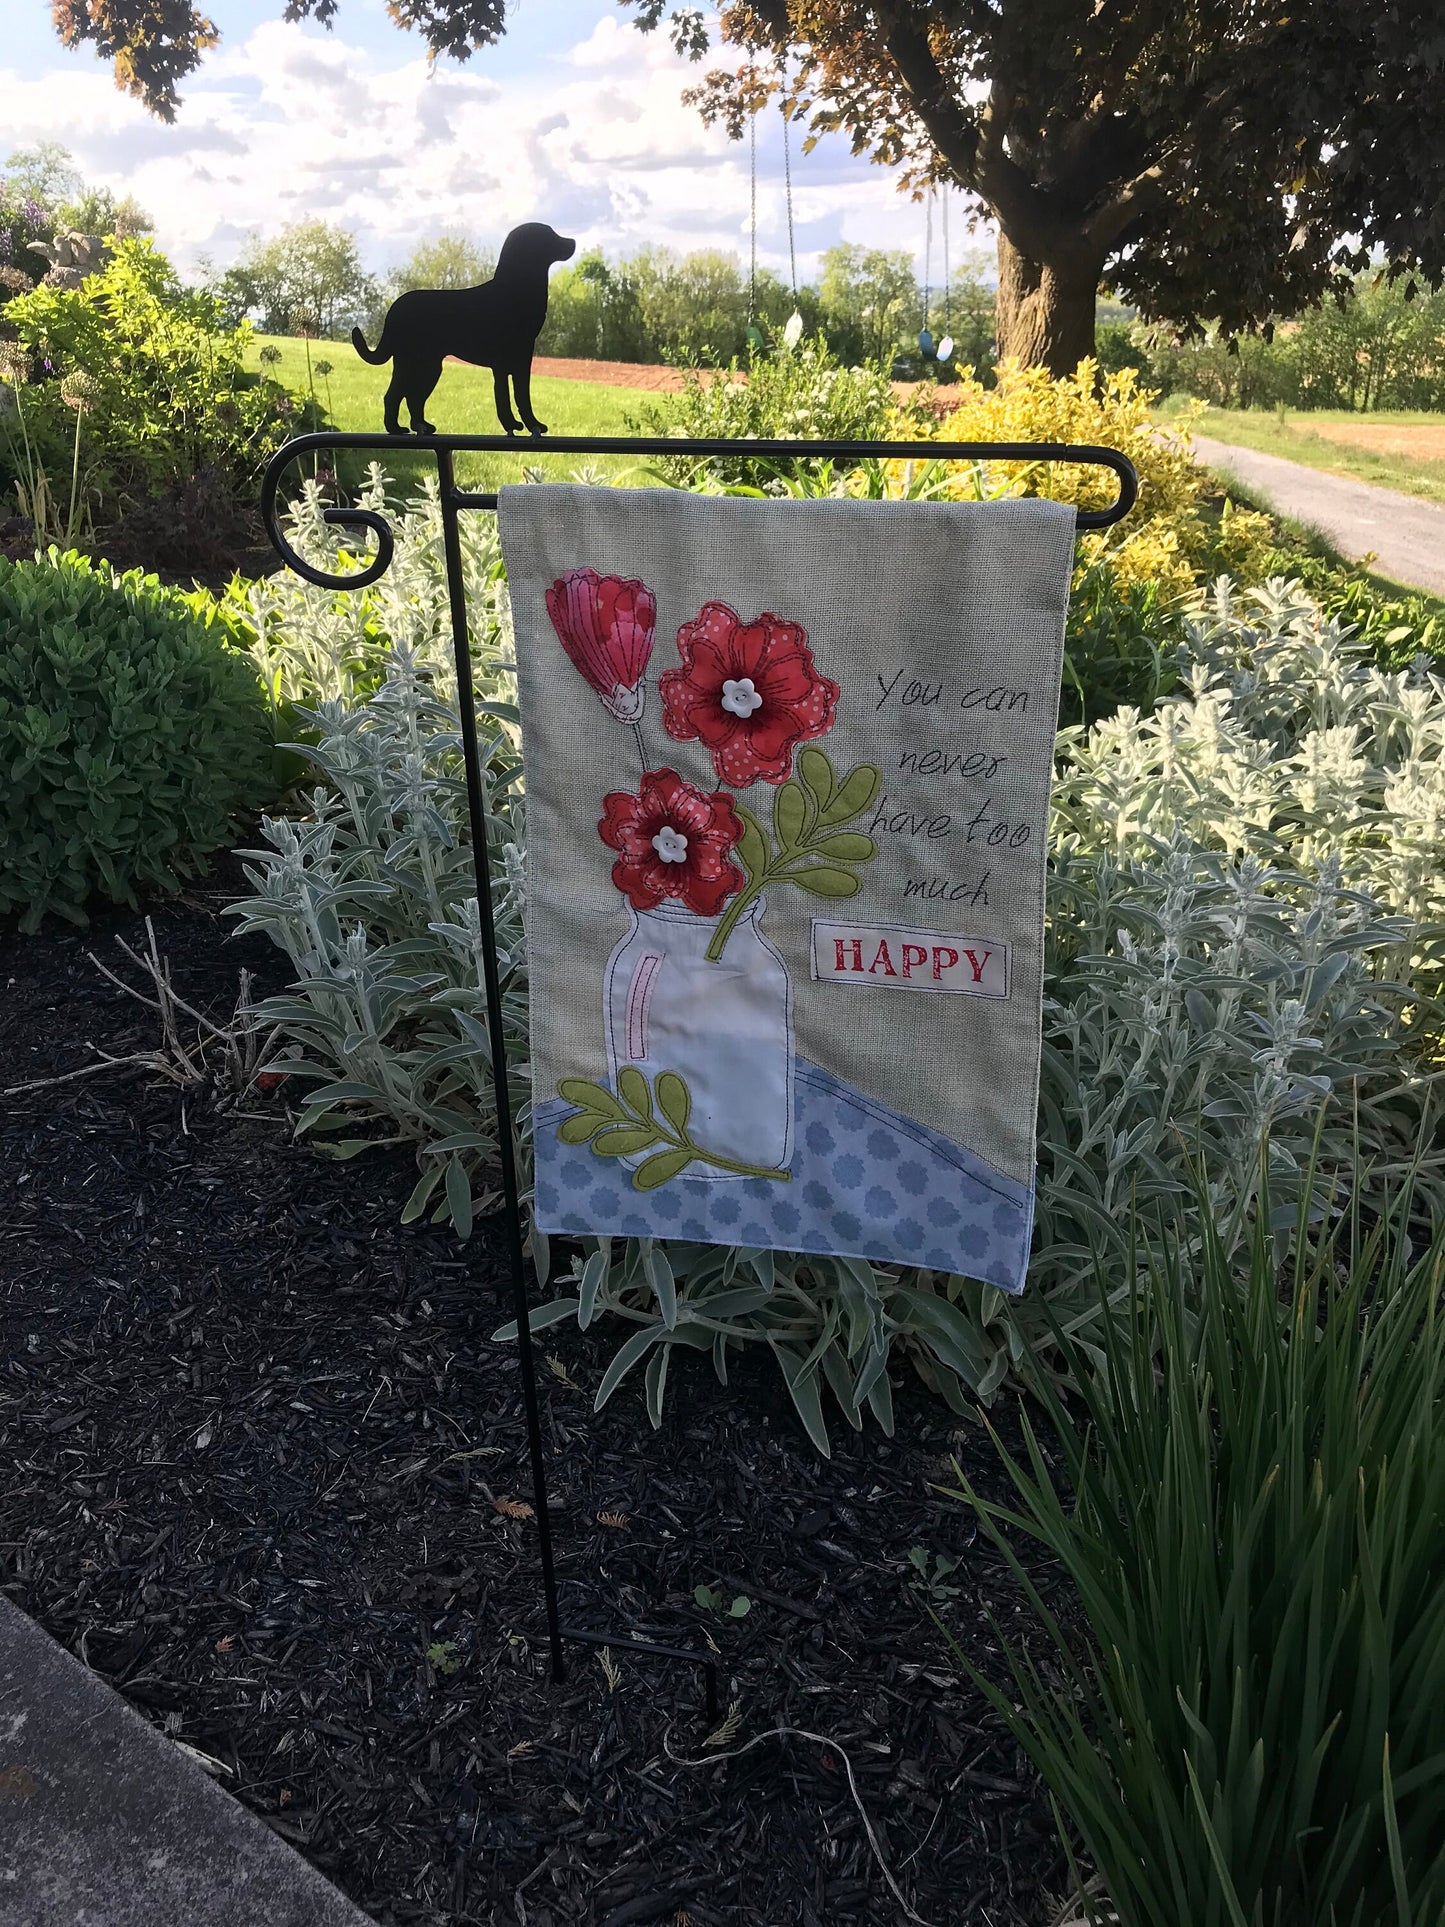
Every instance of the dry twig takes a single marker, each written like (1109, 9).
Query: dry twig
(1074, 1912)
(138, 1061)
(818, 1739)
(182, 1063)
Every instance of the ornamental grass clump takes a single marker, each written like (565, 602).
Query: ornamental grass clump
(1248, 1495)
(133, 738)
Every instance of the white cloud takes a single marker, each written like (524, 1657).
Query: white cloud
(603, 47)
(293, 122)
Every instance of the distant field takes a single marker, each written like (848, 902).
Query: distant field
(1400, 451)
(462, 405)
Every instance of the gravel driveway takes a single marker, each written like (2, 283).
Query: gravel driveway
(1406, 535)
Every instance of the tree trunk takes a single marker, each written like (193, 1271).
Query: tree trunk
(1045, 314)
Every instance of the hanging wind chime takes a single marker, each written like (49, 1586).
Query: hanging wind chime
(793, 332)
(753, 334)
(942, 351)
(793, 329)
(945, 347)
(925, 333)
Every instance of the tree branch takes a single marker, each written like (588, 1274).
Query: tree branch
(1135, 24)
(993, 122)
(975, 151)
(953, 131)
(1107, 224)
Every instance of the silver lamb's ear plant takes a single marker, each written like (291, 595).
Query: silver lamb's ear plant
(1246, 927)
(373, 897)
(314, 644)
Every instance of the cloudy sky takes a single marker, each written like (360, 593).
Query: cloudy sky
(575, 118)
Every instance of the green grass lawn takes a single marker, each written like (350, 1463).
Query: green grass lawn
(462, 405)
(1294, 435)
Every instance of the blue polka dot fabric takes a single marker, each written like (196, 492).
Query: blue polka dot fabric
(866, 1183)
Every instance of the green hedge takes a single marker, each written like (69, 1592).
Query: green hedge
(132, 737)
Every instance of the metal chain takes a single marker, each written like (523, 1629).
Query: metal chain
(947, 317)
(753, 206)
(788, 188)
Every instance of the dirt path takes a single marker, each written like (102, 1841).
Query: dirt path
(615, 374)
(649, 375)
(1407, 536)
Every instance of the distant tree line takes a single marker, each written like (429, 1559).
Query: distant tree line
(307, 280)
(690, 310)
(694, 310)
(1380, 348)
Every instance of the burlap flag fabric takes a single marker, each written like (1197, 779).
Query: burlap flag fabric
(787, 771)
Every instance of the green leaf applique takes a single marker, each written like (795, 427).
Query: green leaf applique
(811, 846)
(641, 1117)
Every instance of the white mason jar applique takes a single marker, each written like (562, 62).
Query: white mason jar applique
(724, 1028)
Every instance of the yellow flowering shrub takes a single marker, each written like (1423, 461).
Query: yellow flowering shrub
(1170, 540)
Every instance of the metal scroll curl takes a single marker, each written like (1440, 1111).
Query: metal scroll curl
(336, 518)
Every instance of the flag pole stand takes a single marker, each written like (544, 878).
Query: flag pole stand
(453, 501)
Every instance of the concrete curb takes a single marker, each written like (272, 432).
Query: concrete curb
(104, 1823)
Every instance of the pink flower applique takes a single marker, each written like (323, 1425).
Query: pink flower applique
(606, 626)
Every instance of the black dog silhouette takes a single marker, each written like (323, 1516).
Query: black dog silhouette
(495, 326)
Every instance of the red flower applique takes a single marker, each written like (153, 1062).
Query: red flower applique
(673, 841)
(606, 626)
(748, 690)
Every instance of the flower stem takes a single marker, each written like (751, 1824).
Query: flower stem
(742, 1170)
(36, 531)
(742, 901)
(641, 750)
(74, 481)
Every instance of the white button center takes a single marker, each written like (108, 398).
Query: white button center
(740, 698)
(670, 845)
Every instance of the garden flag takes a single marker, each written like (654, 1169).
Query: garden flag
(787, 793)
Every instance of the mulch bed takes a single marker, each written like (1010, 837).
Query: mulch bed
(266, 1474)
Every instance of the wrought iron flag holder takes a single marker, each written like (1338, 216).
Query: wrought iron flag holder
(453, 500)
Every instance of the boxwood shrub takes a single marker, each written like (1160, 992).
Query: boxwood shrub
(132, 737)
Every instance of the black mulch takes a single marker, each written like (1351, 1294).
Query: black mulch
(265, 1474)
